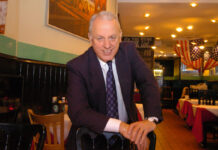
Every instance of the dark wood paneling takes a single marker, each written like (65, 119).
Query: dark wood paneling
(41, 80)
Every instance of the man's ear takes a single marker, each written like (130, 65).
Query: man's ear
(121, 34)
(90, 37)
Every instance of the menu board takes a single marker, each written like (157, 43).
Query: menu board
(143, 45)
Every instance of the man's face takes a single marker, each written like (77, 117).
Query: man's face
(105, 38)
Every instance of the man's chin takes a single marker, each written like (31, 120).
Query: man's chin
(106, 59)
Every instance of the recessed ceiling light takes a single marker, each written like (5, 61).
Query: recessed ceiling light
(147, 15)
(193, 43)
(201, 47)
(178, 45)
(190, 27)
(157, 38)
(174, 54)
(147, 27)
(141, 33)
(193, 4)
(213, 20)
(205, 41)
(153, 47)
(179, 29)
(173, 35)
(165, 55)
(161, 52)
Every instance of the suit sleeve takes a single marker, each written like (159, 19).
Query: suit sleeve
(145, 81)
(79, 111)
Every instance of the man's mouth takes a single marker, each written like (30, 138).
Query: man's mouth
(107, 52)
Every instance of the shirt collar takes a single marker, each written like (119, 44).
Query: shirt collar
(103, 64)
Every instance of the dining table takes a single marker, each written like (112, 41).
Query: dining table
(196, 115)
(203, 113)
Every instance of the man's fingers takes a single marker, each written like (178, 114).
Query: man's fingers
(144, 137)
(139, 136)
(131, 127)
(134, 133)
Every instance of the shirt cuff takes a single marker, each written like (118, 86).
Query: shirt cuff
(153, 119)
(113, 125)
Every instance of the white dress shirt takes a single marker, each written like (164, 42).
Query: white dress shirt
(114, 124)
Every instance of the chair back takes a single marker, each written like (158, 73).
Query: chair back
(185, 91)
(9, 116)
(54, 124)
(20, 136)
(93, 135)
(193, 93)
(166, 93)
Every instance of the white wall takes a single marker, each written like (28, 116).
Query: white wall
(11, 27)
(27, 22)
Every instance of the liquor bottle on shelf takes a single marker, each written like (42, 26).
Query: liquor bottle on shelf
(55, 105)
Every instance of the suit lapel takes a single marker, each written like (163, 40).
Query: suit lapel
(125, 79)
(97, 80)
(124, 75)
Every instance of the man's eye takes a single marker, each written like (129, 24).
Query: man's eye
(113, 38)
(99, 38)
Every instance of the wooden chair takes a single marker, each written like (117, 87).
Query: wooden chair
(193, 93)
(185, 91)
(167, 97)
(54, 124)
(209, 127)
(85, 131)
(20, 136)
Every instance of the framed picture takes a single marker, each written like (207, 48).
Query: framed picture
(3, 13)
(73, 16)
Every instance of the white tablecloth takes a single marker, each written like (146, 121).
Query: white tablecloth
(212, 108)
(182, 100)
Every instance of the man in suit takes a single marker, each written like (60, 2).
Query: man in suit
(87, 85)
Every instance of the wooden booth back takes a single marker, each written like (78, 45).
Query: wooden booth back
(40, 80)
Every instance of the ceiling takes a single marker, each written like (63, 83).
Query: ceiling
(165, 17)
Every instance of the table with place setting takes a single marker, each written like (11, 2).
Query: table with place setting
(196, 115)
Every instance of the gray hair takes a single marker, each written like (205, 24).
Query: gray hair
(106, 15)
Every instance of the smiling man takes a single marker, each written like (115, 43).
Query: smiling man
(101, 85)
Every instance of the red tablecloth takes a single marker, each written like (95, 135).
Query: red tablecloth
(190, 117)
(187, 111)
(202, 115)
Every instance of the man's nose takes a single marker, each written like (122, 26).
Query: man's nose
(106, 43)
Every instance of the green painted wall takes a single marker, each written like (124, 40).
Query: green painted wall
(10, 46)
(7, 46)
(29, 51)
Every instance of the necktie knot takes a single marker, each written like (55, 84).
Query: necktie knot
(109, 63)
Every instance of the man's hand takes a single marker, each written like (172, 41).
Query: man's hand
(124, 129)
(137, 132)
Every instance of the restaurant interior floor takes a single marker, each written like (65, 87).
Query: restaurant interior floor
(173, 134)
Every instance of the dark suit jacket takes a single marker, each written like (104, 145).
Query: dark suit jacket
(86, 92)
